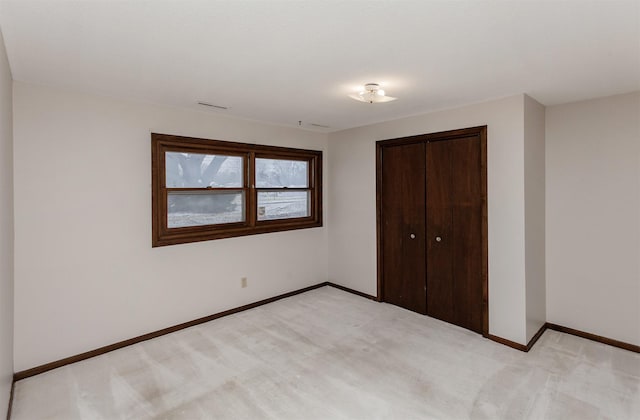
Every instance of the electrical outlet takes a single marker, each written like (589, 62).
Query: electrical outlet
(243, 282)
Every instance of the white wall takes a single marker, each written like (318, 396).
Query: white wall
(534, 212)
(352, 195)
(85, 272)
(593, 216)
(6, 230)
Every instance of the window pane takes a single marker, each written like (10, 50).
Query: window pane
(283, 204)
(206, 208)
(195, 170)
(277, 173)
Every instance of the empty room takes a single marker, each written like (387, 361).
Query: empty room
(321, 209)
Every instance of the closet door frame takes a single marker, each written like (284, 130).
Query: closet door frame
(481, 132)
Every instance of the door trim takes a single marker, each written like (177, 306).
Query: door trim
(480, 131)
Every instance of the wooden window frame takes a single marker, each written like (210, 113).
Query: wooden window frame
(162, 235)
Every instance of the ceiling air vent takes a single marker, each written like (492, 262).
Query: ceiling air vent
(212, 105)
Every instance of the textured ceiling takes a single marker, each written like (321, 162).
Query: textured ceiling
(285, 61)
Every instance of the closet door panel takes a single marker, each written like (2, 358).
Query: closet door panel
(466, 207)
(440, 292)
(454, 232)
(403, 218)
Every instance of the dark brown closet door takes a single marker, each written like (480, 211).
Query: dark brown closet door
(402, 215)
(454, 231)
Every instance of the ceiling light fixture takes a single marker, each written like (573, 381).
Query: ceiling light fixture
(372, 94)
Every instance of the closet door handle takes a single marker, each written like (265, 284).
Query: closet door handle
(412, 236)
(438, 239)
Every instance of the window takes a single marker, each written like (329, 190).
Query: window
(211, 189)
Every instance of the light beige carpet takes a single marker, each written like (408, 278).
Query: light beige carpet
(328, 354)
